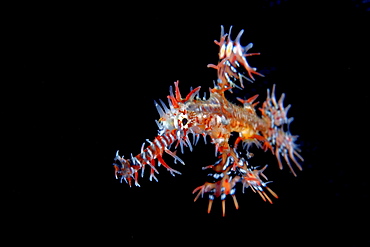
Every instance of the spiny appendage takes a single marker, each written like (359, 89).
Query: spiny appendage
(232, 57)
(176, 99)
(252, 179)
(226, 173)
(281, 142)
(127, 169)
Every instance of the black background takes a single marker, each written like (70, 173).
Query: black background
(84, 82)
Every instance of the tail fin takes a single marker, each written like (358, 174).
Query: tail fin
(278, 137)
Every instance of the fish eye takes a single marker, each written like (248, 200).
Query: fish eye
(184, 121)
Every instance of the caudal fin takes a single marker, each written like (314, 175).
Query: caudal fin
(278, 137)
